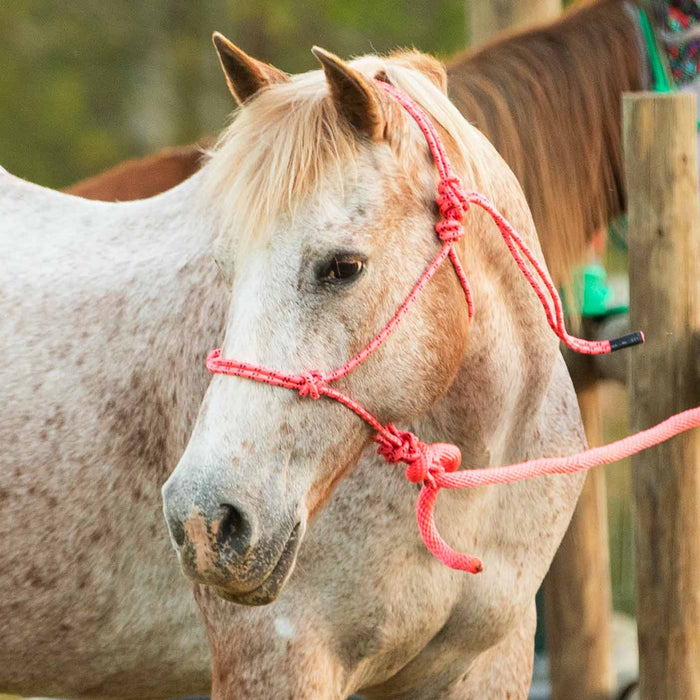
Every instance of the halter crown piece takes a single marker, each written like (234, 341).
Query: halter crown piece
(435, 465)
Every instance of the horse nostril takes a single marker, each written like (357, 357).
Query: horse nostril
(234, 531)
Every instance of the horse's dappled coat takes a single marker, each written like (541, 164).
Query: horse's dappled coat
(100, 429)
(496, 390)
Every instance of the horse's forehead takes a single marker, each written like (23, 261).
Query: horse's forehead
(345, 214)
(371, 193)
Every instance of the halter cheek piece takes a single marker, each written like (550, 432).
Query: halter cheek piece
(435, 465)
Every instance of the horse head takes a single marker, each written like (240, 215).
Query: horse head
(324, 195)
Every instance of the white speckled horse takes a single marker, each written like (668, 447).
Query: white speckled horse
(318, 203)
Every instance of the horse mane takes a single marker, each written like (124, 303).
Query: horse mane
(289, 139)
(550, 101)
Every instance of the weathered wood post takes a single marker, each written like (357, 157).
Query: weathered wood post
(578, 595)
(490, 17)
(660, 142)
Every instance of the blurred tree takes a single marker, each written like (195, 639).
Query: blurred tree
(86, 84)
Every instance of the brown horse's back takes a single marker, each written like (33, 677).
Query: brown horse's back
(139, 178)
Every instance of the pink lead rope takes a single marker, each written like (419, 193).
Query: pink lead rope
(435, 465)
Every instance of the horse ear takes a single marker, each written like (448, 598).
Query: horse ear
(244, 75)
(429, 66)
(354, 95)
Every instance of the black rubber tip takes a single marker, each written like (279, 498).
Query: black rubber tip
(627, 341)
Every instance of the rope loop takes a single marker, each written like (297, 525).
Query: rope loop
(312, 384)
(449, 230)
(435, 460)
(424, 462)
(421, 470)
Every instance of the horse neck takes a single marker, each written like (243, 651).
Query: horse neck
(550, 101)
(492, 407)
(183, 307)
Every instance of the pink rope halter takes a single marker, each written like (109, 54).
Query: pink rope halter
(435, 465)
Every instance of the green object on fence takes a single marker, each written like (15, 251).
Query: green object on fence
(597, 298)
(658, 71)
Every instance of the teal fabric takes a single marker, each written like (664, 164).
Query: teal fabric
(597, 298)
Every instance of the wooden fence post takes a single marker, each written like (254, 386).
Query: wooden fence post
(660, 142)
(577, 591)
(490, 17)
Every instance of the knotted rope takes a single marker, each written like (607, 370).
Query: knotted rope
(424, 461)
(435, 465)
(453, 205)
(313, 383)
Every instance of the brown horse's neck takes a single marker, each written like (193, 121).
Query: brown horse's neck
(550, 101)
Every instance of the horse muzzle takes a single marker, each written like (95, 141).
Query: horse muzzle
(220, 543)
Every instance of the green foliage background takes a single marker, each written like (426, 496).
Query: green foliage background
(85, 84)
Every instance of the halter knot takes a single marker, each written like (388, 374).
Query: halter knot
(449, 230)
(453, 206)
(398, 445)
(423, 461)
(312, 384)
(435, 459)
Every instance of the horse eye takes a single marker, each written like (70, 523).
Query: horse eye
(341, 269)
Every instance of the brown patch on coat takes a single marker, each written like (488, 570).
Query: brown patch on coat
(322, 489)
(140, 424)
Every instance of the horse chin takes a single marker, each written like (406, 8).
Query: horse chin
(274, 582)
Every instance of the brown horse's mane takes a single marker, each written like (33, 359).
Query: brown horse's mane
(549, 100)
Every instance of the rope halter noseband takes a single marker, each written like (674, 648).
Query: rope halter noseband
(435, 465)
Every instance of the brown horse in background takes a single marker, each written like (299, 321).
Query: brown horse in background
(549, 100)
(140, 178)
